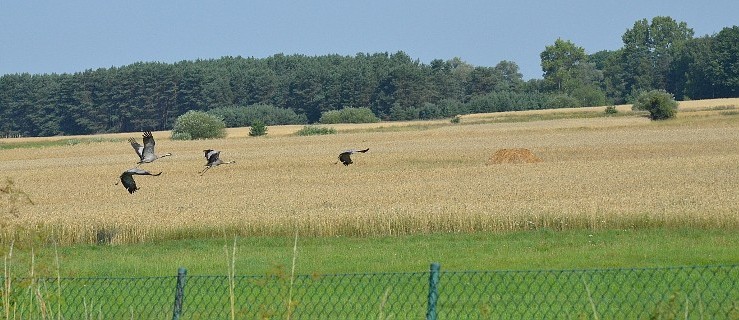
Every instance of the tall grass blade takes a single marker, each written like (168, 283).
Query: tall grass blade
(231, 260)
(381, 315)
(292, 275)
(590, 299)
(58, 282)
(6, 293)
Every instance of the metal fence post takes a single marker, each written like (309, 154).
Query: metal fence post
(179, 295)
(433, 291)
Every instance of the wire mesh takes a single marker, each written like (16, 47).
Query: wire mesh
(655, 293)
(701, 292)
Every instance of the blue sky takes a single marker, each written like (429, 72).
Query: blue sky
(75, 35)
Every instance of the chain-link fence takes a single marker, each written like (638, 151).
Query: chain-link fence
(702, 292)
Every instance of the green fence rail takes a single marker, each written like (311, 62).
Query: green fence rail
(700, 292)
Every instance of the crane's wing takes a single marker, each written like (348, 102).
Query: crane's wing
(127, 178)
(148, 151)
(140, 171)
(356, 150)
(137, 147)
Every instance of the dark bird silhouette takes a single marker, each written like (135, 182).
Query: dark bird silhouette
(345, 157)
(146, 152)
(213, 157)
(127, 178)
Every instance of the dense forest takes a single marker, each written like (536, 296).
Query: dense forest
(657, 54)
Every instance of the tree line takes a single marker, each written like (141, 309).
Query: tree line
(657, 54)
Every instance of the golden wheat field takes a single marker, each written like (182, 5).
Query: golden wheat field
(418, 177)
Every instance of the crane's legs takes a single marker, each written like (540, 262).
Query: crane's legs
(204, 170)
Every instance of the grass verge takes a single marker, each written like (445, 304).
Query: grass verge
(330, 267)
(526, 250)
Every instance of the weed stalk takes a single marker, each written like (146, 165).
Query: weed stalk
(590, 299)
(292, 276)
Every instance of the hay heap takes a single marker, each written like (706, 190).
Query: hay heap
(516, 155)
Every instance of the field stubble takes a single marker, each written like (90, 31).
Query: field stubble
(620, 172)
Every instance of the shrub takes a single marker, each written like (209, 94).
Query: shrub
(12, 198)
(199, 125)
(258, 128)
(427, 111)
(660, 104)
(505, 101)
(181, 136)
(349, 115)
(456, 119)
(611, 110)
(315, 130)
(400, 112)
(240, 116)
(563, 101)
(451, 107)
(589, 96)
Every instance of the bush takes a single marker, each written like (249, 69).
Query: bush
(258, 128)
(315, 130)
(660, 104)
(563, 101)
(349, 115)
(451, 107)
(199, 125)
(399, 112)
(428, 111)
(239, 116)
(589, 96)
(505, 101)
(611, 110)
(181, 136)
(12, 198)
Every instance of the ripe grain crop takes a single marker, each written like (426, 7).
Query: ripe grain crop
(597, 173)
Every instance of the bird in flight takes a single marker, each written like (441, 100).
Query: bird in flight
(345, 157)
(213, 158)
(146, 152)
(127, 178)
